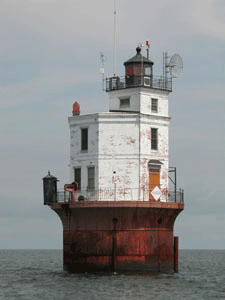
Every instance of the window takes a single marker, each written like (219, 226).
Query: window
(147, 71)
(125, 102)
(77, 177)
(138, 70)
(154, 138)
(154, 105)
(91, 178)
(84, 139)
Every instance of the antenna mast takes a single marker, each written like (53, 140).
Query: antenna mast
(102, 70)
(114, 45)
(147, 48)
(165, 69)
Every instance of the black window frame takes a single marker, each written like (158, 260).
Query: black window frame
(84, 139)
(77, 176)
(154, 138)
(154, 106)
(91, 179)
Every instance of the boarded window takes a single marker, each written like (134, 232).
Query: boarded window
(154, 138)
(91, 178)
(154, 105)
(77, 177)
(84, 139)
(125, 102)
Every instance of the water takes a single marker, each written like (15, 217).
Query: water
(38, 274)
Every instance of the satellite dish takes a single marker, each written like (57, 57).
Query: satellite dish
(175, 65)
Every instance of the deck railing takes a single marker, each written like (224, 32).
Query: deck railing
(122, 194)
(122, 82)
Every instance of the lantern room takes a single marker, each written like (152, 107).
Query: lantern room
(138, 70)
(139, 73)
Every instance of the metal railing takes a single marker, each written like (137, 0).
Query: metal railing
(63, 196)
(121, 194)
(122, 82)
(177, 196)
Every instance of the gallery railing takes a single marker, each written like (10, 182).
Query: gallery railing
(122, 194)
(122, 82)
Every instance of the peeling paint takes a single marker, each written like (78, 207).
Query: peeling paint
(121, 143)
(130, 140)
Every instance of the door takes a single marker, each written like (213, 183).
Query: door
(154, 180)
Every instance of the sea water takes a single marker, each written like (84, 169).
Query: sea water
(38, 274)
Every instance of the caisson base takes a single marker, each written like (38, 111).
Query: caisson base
(118, 236)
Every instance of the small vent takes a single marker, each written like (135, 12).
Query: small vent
(147, 81)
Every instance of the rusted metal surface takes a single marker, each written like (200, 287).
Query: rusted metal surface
(72, 187)
(121, 236)
(96, 204)
(176, 239)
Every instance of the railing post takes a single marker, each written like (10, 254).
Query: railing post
(175, 185)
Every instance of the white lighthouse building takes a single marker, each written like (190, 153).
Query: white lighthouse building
(118, 213)
(123, 154)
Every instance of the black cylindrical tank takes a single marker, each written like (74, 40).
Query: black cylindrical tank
(50, 189)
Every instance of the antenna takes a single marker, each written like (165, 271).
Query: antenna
(175, 66)
(165, 69)
(114, 44)
(102, 70)
(147, 48)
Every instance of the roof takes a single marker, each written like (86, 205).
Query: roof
(155, 161)
(138, 58)
(49, 176)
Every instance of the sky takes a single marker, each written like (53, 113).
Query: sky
(50, 58)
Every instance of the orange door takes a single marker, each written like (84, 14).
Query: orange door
(154, 180)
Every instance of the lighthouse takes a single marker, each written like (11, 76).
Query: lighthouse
(119, 210)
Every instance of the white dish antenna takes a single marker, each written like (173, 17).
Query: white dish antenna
(175, 66)
(172, 65)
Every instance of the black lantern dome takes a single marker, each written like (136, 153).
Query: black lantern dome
(138, 58)
(138, 69)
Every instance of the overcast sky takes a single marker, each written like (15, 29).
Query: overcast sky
(49, 58)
